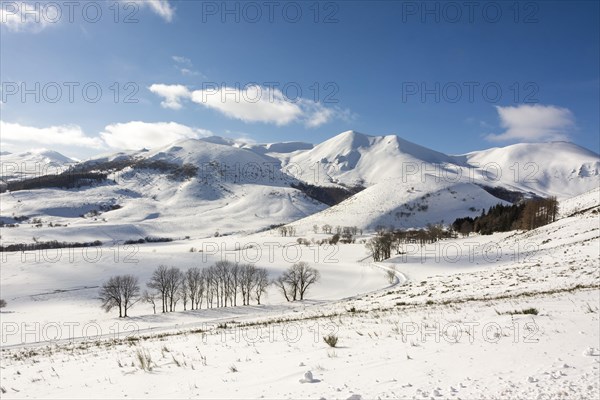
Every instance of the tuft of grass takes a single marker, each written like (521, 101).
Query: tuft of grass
(331, 340)
(530, 310)
(590, 310)
(233, 368)
(144, 359)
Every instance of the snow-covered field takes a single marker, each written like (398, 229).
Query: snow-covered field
(510, 315)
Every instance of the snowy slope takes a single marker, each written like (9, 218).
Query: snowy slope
(581, 203)
(394, 204)
(400, 176)
(231, 190)
(452, 327)
(559, 169)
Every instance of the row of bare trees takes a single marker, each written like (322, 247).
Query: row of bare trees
(221, 285)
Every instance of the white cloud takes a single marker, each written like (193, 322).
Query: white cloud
(250, 104)
(71, 139)
(182, 60)
(188, 72)
(160, 7)
(138, 134)
(253, 103)
(22, 16)
(173, 95)
(531, 123)
(60, 135)
(35, 16)
(185, 66)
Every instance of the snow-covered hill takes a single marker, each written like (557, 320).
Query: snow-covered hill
(558, 169)
(353, 158)
(197, 187)
(32, 163)
(455, 305)
(410, 186)
(189, 188)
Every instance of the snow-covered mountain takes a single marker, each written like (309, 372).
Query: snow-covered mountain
(33, 163)
(189, 188)
(408, 185)
(558, 169)
(197, 187)
(353, 158)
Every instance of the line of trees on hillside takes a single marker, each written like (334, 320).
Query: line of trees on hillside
(52, 244)
(527, 215)
(385, 241)
(221, 285)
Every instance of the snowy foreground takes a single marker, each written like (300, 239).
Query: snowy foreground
(511, 315)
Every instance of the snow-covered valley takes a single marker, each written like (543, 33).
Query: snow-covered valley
(509, 315)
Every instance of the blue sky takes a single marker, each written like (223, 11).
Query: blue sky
(445, 75)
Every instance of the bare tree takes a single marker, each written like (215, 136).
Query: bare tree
(194, 286)
(158, 282)
(151, 296)
(296, 280)
(173, 280)
(247, 281)
(200, 290)
(183, 292)
(306, 275)
(261, 282)
(120, 291)
(212, 287)
(224, 280)
(284, 286)
(380, 246)
(234, 282)
(288, 284)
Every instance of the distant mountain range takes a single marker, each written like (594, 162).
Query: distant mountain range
(201, 186)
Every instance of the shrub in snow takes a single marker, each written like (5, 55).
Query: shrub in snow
(331, 340)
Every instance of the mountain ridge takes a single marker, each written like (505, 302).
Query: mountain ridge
(230, 186)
